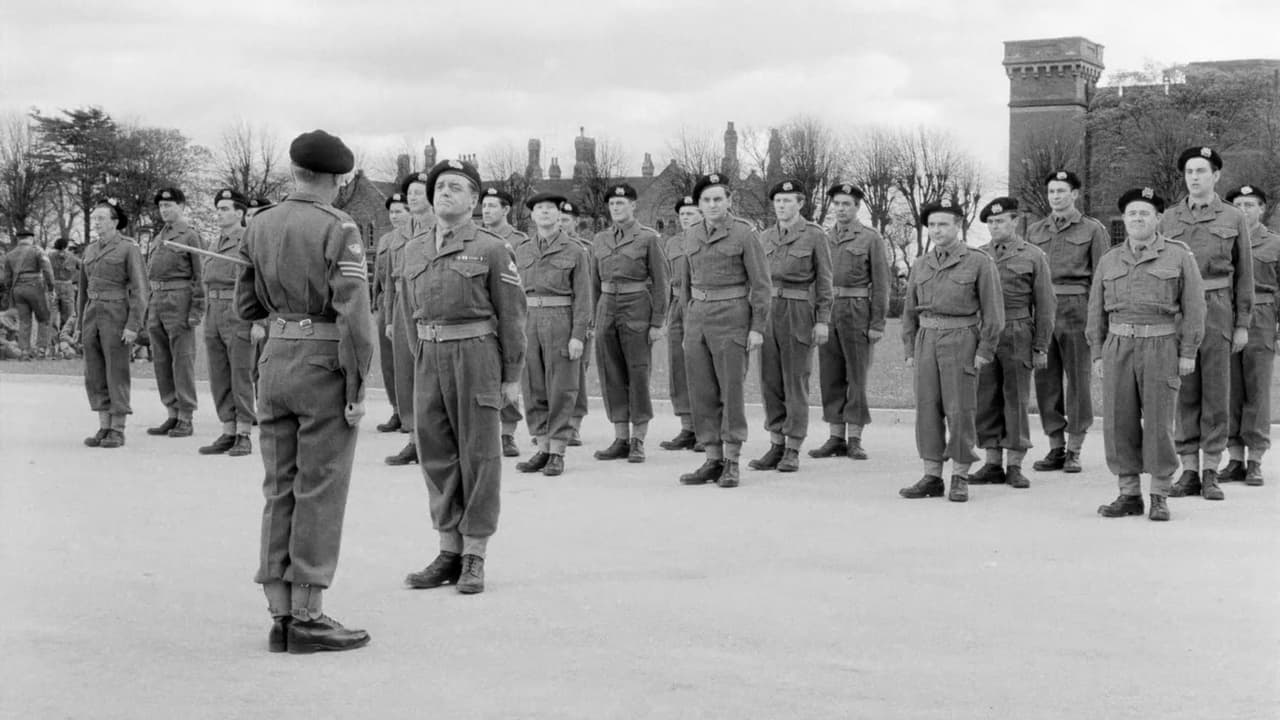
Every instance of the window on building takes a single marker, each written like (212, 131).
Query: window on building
(1117, 232)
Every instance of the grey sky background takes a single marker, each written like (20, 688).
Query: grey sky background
(478, 74)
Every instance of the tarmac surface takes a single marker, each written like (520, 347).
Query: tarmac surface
(612, 592)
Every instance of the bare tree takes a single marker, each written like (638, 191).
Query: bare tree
(695, 152)
(966, 191)
(504, 166)
(873, 155)
(608, 167)
(1040, 152)
(25, 181)
(249, 160)
(930, 168)
(814, 155)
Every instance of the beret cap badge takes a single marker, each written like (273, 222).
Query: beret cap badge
(1206, 152)
(997, 209)
(1148, 193)
(1246, 190)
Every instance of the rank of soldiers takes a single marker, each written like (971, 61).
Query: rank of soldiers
(1178, 322)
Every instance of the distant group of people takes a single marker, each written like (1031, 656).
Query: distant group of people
(39, 287)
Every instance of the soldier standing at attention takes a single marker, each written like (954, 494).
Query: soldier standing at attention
(951, 323)
(1004, 385)
(1251, 369)
(629, 276)
(112, 300)
(861, 277)
(799, 258)
(398, 213)
(1218, 236)
(556, 279)
(495, 211)
(678, 384)
(1074, 244)
(570, 214)
(175, 309)
(307, 276)
(28, 273)
(66, 269)
(1146, 319)
(421, 224)
(463, 292)
(725, 292)
(228, 339)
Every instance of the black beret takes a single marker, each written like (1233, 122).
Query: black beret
(1145, 194)
(502, 195)
(419, 177)
(550, 197)
(710, 180)
(318, 151)
(944, 205)
(457, 167)
(172, 194)
(122, 220)
(1065, 176)
(395, 198)
(232, 195)
(1247, 191)
(61, 243)
(569, 208)
(1207, 153)
(24, 232)
(684, 202)
(787, 186)
(999, 206)
(622, 190)
(846, 189)
(260, 202)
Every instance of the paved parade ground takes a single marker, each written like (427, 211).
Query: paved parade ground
(613, 592)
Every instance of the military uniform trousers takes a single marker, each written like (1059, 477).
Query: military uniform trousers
(843, 362)
(64, 295)
(230, 350)
(677, 378)
(387, 361)
(946, 394)
(580, 406)
(1139, 395)
(623, 356)
(1251, 371)
(404, 335)
(786, 363)
(1004, 390)
(715, 360)
(1063, 391)
(307, 450)
(106, 356)
(173, 348)
(457, 399)
(28, 296)
(551, 381)
(1204, 399)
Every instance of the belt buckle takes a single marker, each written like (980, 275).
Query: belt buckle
(305, 326)
(433, 332)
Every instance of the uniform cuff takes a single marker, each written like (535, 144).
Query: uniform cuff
(511, 372)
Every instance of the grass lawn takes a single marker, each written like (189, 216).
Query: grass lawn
(889, 380)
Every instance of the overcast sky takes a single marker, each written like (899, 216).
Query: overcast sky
(476, 74)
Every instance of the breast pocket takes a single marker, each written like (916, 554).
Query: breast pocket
(800, 261)
(559, 274)
(1160, 284)
(465, 278)
(1224, 241)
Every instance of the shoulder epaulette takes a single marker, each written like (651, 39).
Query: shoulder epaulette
(646, 227)
(1094, 220)
(1171, 241)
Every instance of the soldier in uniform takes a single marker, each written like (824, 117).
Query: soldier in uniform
(556, 278)
(629, 276)
(1004, 385)
(112, 298)
(1074, 243)
(398, 212)
(861, 277)
(28, 274)
(1218, 236)
(306, 275)
(570, 215)
(951, 323)
(421, 224)
(462, 290)
(798, 254)
(1251, 369)
(174, 310)
(724, 288)
(495, 211)
(228, 340)
(66, 269)
(678, 384)
(1146, 320)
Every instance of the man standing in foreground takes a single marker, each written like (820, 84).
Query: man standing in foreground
(307, 276)
(173, 312)
(463, 294)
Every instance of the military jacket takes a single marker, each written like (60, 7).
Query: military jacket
(1024, 282)
(632, 253)
(26, 263)
(558, 265)
(114, 266)
(1152, 287)
(727, 254)
(221, 274)
(472, 278)
(1219, 238)
(1073, 244)
(965, 282)
(168, 264)
(800, 258)
(1266, 260)
(859, 259)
